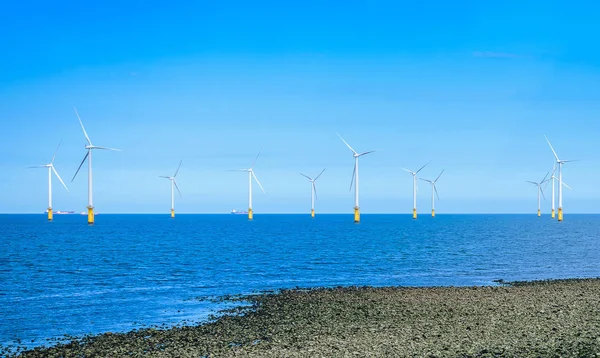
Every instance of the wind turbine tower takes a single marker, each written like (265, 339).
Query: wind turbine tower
(313, 192)
(415, 188)
(554, 178)
(88, 156)
(173, 187)
(560, 182)
(251, 175)
(434, 193)
(51, 169)
(355, 178)
(540, 191)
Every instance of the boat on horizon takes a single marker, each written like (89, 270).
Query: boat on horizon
(238, 211)
(59, 212)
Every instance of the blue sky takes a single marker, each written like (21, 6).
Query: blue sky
(470, 85)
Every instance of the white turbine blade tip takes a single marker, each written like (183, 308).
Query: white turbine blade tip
(348, 145)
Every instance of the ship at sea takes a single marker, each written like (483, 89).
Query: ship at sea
(59, 212)
(238, 212)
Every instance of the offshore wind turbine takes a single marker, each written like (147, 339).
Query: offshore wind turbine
(415, 188)
(540, 191)
(51, 169)
(433, 191)
(251, 175)
(88, 156)
(355, 178)
(173, 186)
(560, 182)
(554, 178)
(313, 192)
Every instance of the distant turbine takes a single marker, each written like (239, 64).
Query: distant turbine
(560, 164)
(355, 178)
(313, 191)
(540, 191)
(250, 176)
(51, 169)
(173, 186)
(433, 191)
(415, 188)
(88, 156)
(553, 178)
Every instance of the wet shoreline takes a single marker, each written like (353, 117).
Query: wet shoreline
(537, 318)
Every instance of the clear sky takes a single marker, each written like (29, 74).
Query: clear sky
(470, 85)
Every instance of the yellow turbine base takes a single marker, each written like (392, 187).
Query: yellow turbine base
(250, 214)
(90, 215)
(539, 213)
(49, 214)
(312, 213)
(560, 214)
(432, 213)
(356, 214)
(414, 213)
(172, 213)
(553, 214)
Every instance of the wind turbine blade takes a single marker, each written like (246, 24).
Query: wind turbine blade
(252, 166)
(315, 189)
(353, 174)
(546, 176)
(364, 153)
(56, 151)
(436, 179)
(258, 182)
(59, 178)
(436, 192)
(565, 184)
(320, 174)
(532, 182)
(571, 160)
(348, 145)
(237, 170)
(106, 148)
(555, 155)
(548, 182)
(177, 171)
(82, 127)
(176, 186)
(162, 176)
(306, 176)
(541, 191)
(422, 167)
(83, 161)
(410, 171)
(38, 166)
(429, 181)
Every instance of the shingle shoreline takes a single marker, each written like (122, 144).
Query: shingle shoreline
(556, 318)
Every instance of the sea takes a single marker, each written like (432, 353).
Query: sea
(65, 278)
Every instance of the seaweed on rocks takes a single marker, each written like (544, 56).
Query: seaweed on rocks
(559, 318)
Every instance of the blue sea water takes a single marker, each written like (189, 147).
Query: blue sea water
(130, 271)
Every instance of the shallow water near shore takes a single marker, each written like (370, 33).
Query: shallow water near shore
(130, 271)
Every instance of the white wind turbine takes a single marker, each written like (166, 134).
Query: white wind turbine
(313, 192)
(554, 178)
(355, 178)
(250, 176)
(433, 191)
(415, 188)
(173, 186)
(560, 182)
(540, 191)
(51, 169)
(89, 147)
